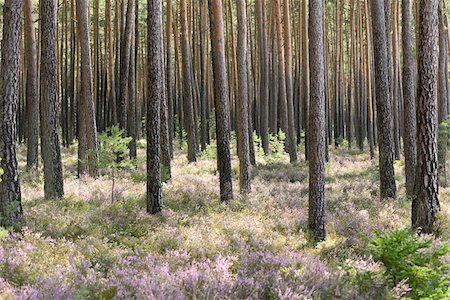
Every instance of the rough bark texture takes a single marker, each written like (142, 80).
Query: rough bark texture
(188, 105)
(221, 99)
(87, 110)
(32, 99)
(384, 106)
(425, 203)
(155, 87)
(264, 75)
(50, 148)
(409, 97)
(125, 66)
(316, 140)
(10, 195)
(242, 99)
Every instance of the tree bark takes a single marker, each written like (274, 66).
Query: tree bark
(155, 85)
(188, 105)
(87, 111)
(10, 194)
(32, 99)
(384, 106)
(425, 204)
(221, 99)
(242, 99)
(51, 155)
(125, 50)
(316, 140)
(409, 97)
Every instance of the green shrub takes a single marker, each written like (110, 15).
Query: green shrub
(416, 259)
(113, 152)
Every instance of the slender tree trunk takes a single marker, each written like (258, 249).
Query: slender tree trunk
(125, 50)
(369, 83)
(51, 155)
(409, 97)
(443, 96)
(306, 74)
(31, 88)
(10, 194)
(188, 101)
(169, 77)
(155, 85)
(289, 88)
(221, 99)
(425, 204)
(87, 115)
(264, 74)
(316, 123)
(384, 106)
(242, 99)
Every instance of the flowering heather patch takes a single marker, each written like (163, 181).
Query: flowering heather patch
(85, 247)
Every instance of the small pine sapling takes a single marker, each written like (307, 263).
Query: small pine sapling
(113, 152)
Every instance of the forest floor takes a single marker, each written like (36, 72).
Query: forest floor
(255, 247)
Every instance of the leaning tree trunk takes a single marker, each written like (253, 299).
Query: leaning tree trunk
(10, 195)
(31, 87)
(221, 99)
(316, 137)
(425, 205)
(384, 106)
(409, 97)
(51, 155)
(155, 85)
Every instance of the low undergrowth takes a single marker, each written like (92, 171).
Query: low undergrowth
(86, 247)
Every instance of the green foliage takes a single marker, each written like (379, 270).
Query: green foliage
(415, 259)
(113, 148)
(276, 146)
(114, 152)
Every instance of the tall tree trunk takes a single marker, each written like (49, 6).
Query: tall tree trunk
(125, 50)
(221, 99)
(384, 107)
(316, 123)
(155, 85)
(31, 88)
(442, 96)
(306, 74)
(289, 88)
(10, 195)
(188, 101)
(264, 74)
(242, 99)
(409, 97)
(203, 79)
(425, 204)
(87, 112)
(281, 72)
(169, 77)
(369, 83)
(51, 155)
